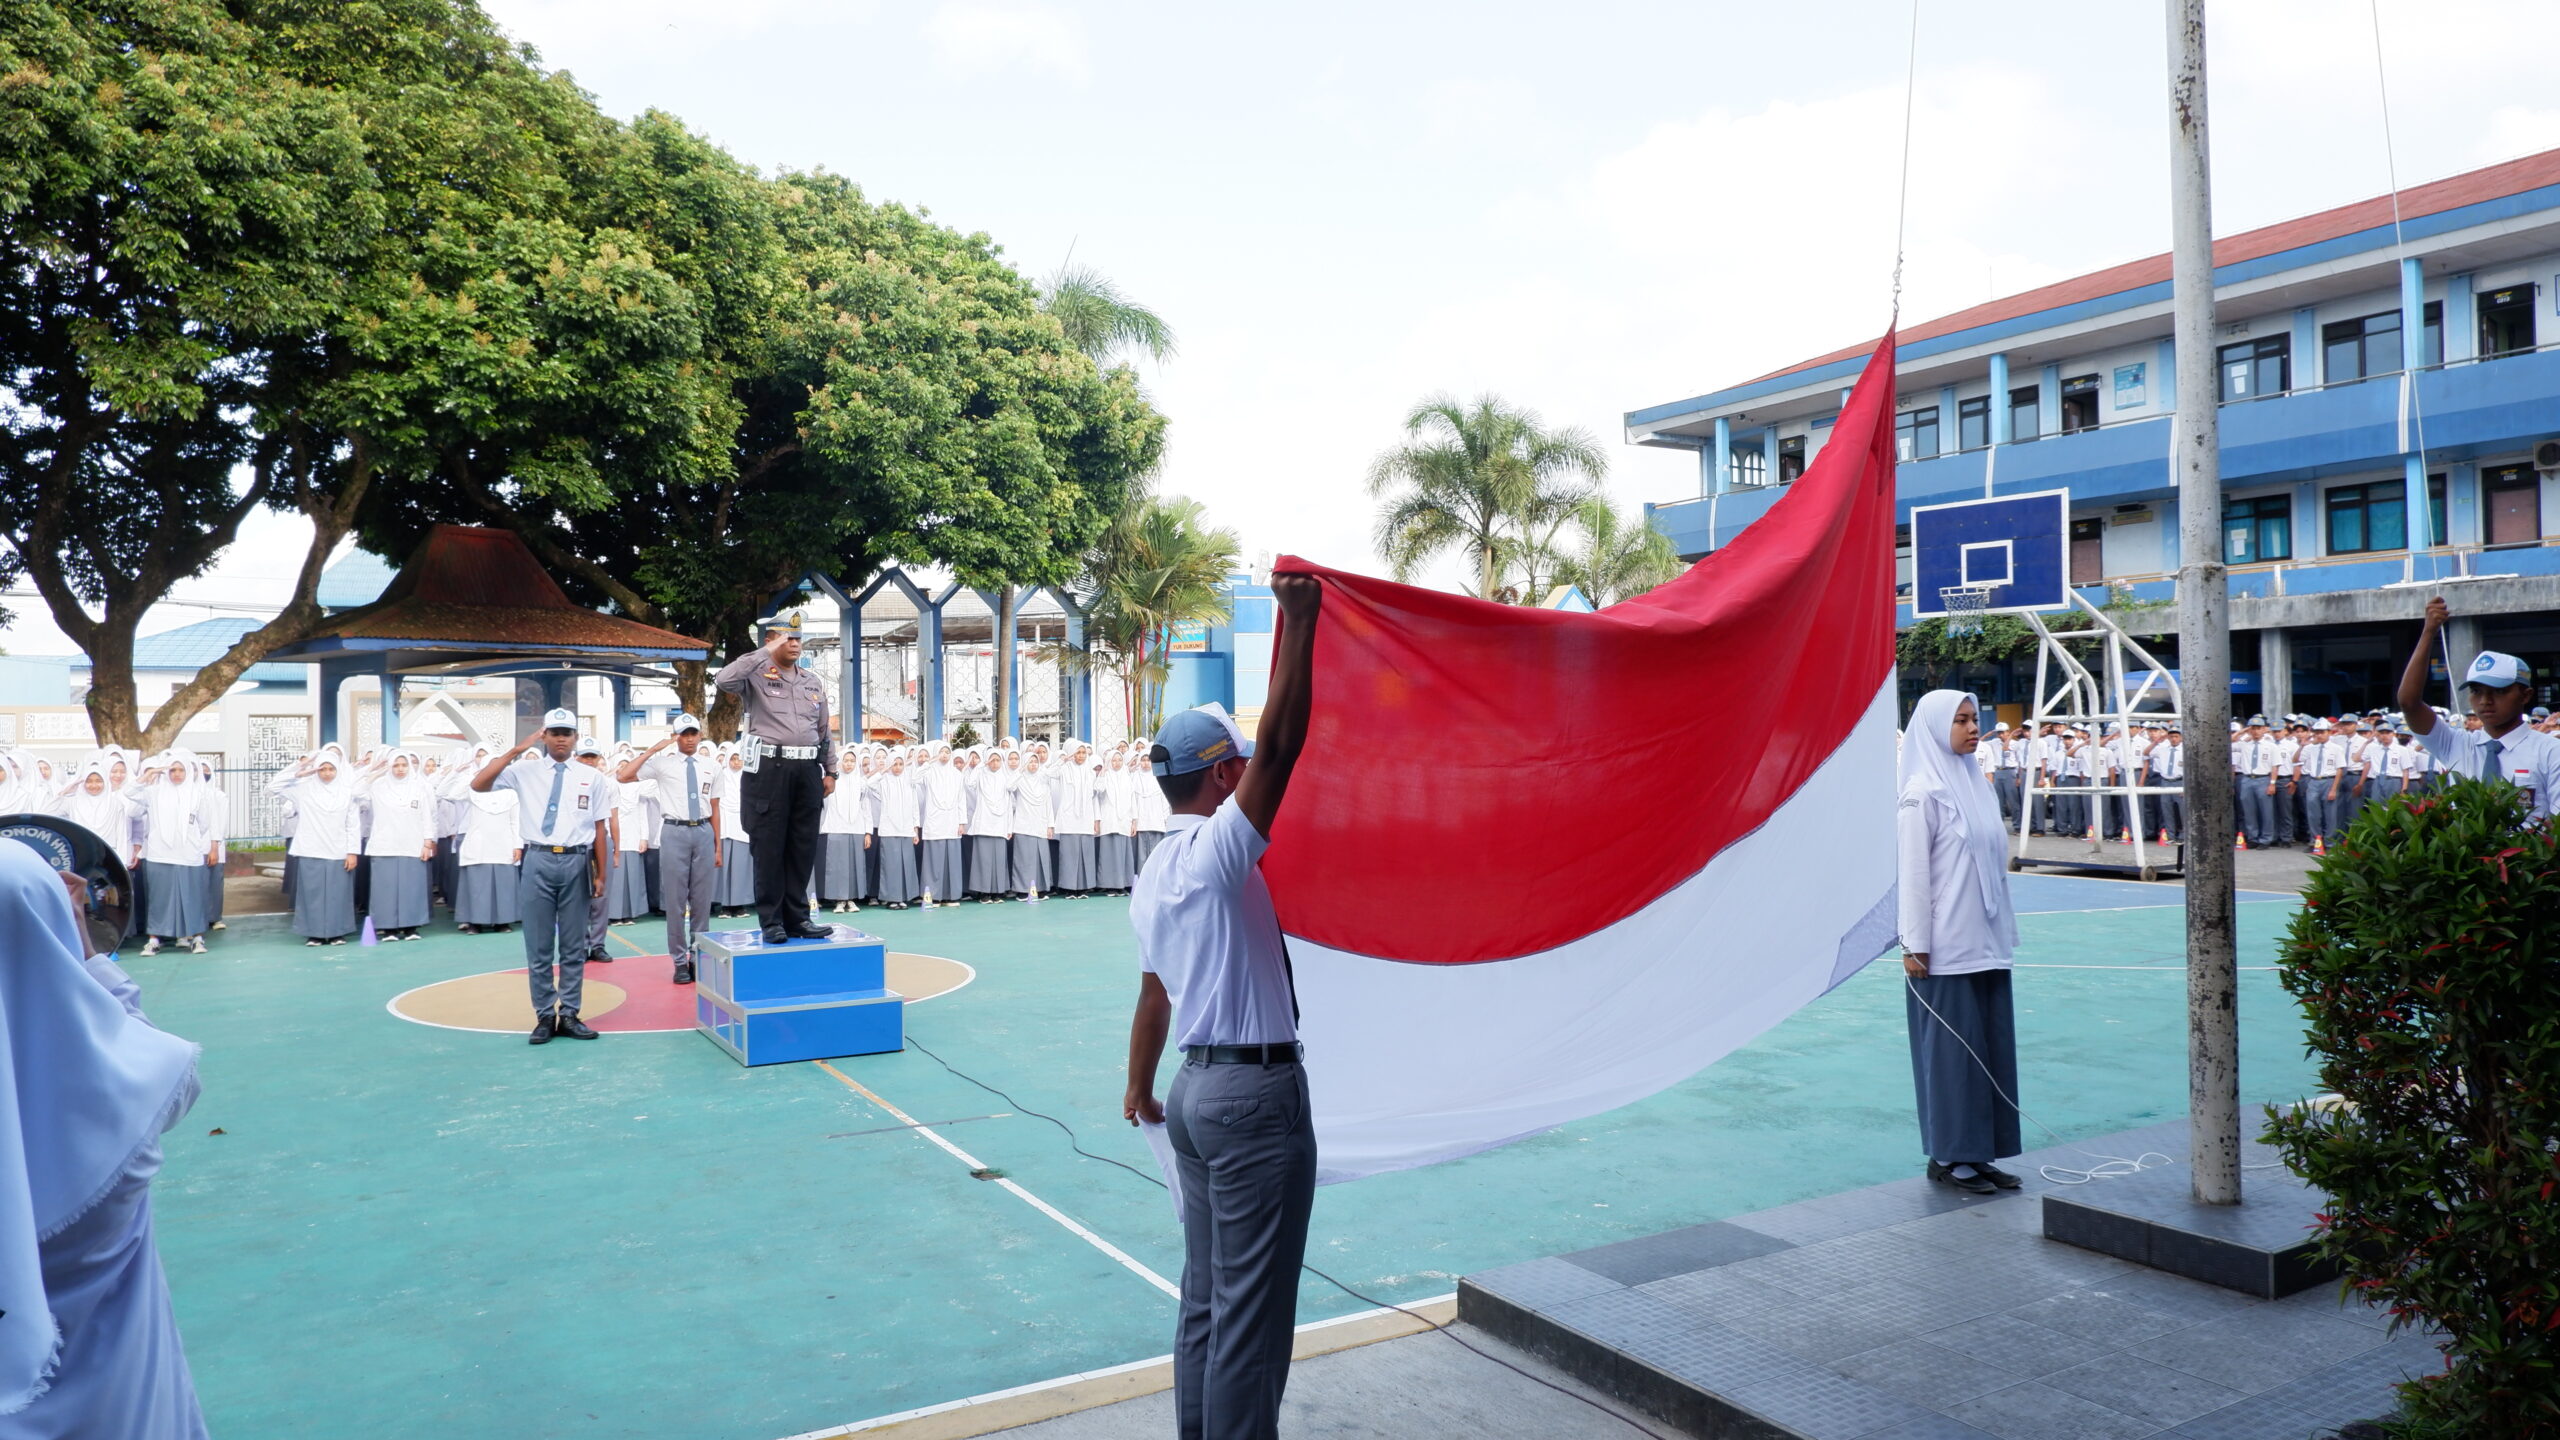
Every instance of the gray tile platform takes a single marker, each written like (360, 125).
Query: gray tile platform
(2262, 1248)
(1911, 1311)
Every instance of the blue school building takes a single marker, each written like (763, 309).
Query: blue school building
(2332, 428)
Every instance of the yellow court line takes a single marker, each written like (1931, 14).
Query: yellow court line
(1126, 1260)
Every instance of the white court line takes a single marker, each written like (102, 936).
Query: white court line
(2114, 909)
(1034, 1201)
(880, 1422)
(2163, 969)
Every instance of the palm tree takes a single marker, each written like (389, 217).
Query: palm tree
(1099, 320)
(1617, 558)
(1486, 480)
(1156, 566)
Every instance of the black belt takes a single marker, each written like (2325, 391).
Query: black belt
(705, 820)
(562, 849)
(1287, 1054)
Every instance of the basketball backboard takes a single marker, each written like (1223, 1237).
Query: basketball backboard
(2020, 545)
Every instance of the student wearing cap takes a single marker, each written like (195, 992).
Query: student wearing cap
(2253, 764)
(2167, 765)
(560, 812)
(1215, 976)
(784, 781)
(2497, 687)
(687, 778)
(2322, 757)
(590, 754)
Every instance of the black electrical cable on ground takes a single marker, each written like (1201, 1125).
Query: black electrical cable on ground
(1370, 1300)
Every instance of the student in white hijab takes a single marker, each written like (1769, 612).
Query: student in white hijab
(991, 828)
(733, 891)
(1958, 934)
(1153, 812)
(176, 853)
(213, 809)
(1115, 866)
(401, 842)
(942, 803)
(326, 840)
(88, 1342)
(492, 845)
(844, 844)
(1034, 809)
(896, 877)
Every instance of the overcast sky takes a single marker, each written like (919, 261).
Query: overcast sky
(1584, 209)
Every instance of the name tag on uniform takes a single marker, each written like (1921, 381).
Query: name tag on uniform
(582, 799)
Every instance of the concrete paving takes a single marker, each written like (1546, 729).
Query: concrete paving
(1421, 1385)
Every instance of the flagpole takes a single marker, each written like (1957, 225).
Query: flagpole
(2204, 634)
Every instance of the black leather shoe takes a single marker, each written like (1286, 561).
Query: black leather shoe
(1975, 1184)
(776, 935)
(599, 957)
(575, 1028)
(812, 930)
(1999, 1177)
(684, 973)
(543, 1030)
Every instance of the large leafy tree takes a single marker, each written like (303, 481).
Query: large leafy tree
(1484, 479)
(274, 253)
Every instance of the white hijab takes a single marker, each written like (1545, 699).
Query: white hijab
(1955, 789)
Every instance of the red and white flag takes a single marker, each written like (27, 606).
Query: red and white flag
(1535, 865)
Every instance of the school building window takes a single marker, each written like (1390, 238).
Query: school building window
(1790, 459)
(2257, 529)
(2369, 345)
(1973, 423)
(2257, 368)
(1915, 434)
(2022, 413)
(2511, 496)
(2079, 404)
(2375, 516)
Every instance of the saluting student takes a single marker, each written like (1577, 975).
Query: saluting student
(492, 845)
(176, 854)
(844, 846)
(627, 884)
(213, 812)
(991, 829)
(687, 779)
(895, 879)
(561, 814)
(734, 889)
(1077, 819)
(2497, 687)
(942, 802)
(1032, 830)
(323, 850)
(1154, 818)
(1115, 848)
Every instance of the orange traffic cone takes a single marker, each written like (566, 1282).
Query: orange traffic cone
(2164, 836)
(2319, 844)
(2240, 841)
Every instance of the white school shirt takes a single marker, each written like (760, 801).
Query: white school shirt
(2288, 756)
(1119, 803)
(1938, 912)
(2168, 761)
(402, 815)
(1206, 928)
(1987, 756)
(841, 812)
(732, 826)
(2320, 759)
(631, 816)
(1034, 806)
(900, 817)
(489, 833)
(172, 825)
(586, 793)
(213, 812)
(1154, 812)
(326, 831)
(2528, 758)
(664, 773)
(1076, 797)
(2373, 759)
(942, 802)
(995, 801)
(2012, 753)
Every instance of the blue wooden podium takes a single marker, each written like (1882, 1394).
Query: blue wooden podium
(805, 1000)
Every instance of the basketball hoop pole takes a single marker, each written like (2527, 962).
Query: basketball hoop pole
(2204, 633)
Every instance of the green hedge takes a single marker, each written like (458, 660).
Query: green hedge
(2426, 958)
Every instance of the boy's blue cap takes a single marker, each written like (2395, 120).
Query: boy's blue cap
(1196, 740)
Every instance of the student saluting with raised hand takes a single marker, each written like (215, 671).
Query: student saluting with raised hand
(1216, 976)
(2499, 689)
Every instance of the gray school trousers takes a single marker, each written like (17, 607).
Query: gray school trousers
(684, 883)
(1246, 1150)
(554, 893)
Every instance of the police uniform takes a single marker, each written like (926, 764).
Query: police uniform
(783, 786)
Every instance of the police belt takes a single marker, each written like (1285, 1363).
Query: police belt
(758, 745)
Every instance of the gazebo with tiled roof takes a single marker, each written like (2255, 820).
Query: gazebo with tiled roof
(475, 601)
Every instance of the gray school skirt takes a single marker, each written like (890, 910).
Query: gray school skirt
(398, 900)
(1114, 862)
(173, 899)
(841, 867)
(1075, 862)
(324, 898)
(734, 886)
(626, 886)
(1962, 1114)
(893, 879)
(486, 895)
(1030, 863)
(945, 874)
(990, 864)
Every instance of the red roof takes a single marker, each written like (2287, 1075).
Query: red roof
(2512, 177)
(469, 585)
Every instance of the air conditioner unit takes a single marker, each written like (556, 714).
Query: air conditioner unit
(2546, 456)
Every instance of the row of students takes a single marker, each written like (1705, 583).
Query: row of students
(166, 817)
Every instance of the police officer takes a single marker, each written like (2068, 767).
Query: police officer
(785, 782)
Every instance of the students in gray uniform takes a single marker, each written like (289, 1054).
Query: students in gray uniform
(1216, 974)
(608, 854)
(688, 784)
(561, 806)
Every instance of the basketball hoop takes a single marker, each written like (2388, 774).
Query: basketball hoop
(1964, 606)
